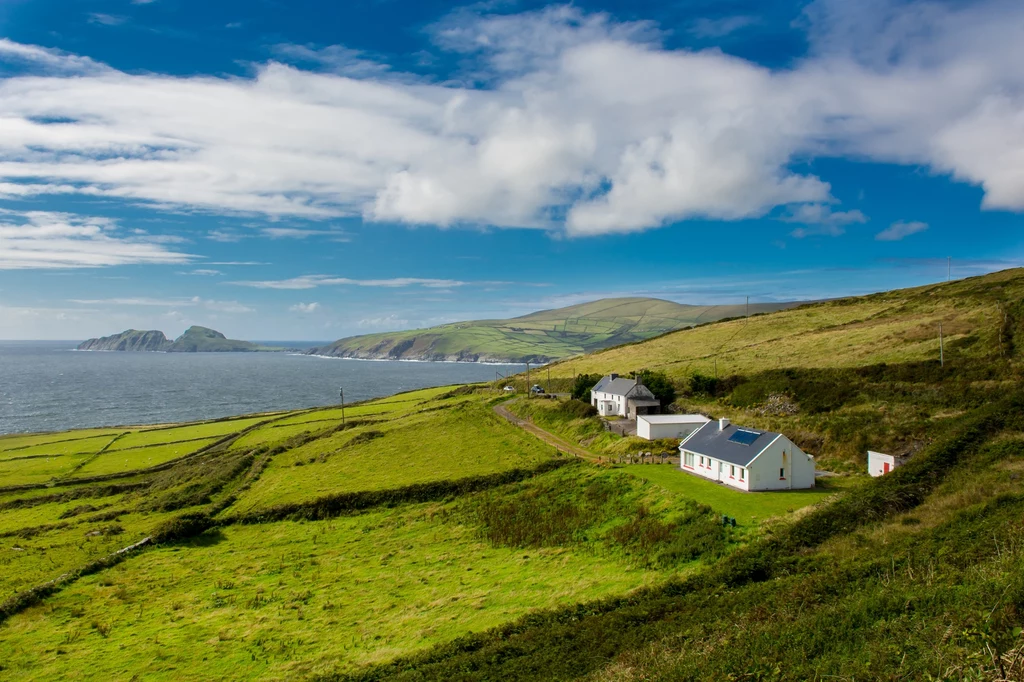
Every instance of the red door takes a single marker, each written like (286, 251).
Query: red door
(885, 468)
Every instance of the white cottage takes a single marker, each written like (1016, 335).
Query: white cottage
(748, 459)
(615, 395)
(658, 426)
(880, 463)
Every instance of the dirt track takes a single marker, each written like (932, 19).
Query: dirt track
(549, 438)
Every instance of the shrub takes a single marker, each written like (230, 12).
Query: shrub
(582, 385)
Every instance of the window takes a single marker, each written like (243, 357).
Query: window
(742, 473)
(702, 460)
(782, 474)
(732, 471)
(688, 459)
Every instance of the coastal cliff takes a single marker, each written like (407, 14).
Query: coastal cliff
(195, 340)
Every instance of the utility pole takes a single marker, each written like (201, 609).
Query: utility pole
(548, 387)
(528, 391)
(341, 390)
(942, 359)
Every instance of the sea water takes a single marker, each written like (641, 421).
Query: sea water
(48, 386)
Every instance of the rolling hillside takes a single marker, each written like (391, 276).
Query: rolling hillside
(423, 537)
(540, 336)
(981, 317)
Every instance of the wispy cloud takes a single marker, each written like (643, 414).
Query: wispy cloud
(205, 272)
(901, 229)
(820, 219)
(723, 26)
(174, 302)
(39, 239)
(314, 281)
(303, 233)
(305, 307)
(106, 19)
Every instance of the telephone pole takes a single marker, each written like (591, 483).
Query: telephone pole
(341, 390)
(528, 391)
(548, 387)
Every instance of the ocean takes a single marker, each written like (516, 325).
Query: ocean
(48, 386)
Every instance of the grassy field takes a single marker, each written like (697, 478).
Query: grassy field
(417, 541)
(464, 439)
(541, 336)
(286, 599)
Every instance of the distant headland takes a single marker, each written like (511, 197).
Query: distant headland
(194, 340)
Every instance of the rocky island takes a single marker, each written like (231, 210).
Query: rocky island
(195, 340)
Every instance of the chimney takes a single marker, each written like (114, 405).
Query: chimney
(613, 377)
(722, 423)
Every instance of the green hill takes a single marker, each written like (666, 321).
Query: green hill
(424, 537)
(541, 336)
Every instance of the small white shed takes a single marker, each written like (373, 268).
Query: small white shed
(880, 463)
(658, 426)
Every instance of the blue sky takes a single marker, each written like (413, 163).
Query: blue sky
(311, 170)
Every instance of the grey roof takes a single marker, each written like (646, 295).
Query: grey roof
(624, 387)
(709, 441)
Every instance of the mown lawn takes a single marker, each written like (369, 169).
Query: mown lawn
(286, 599)
(744, 507)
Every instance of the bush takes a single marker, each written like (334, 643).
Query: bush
(582, 385)
(660, 385)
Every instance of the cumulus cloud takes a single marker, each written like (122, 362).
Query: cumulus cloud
(900, 230)
(565, 120)
(305, 307)
(42, 239)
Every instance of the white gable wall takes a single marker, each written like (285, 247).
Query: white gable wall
(782, 466)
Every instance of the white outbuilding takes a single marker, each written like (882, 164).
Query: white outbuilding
(747, 459)
(880, 463)
(658, 426)
(618, 396)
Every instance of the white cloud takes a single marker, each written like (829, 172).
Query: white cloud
(39, 239)
(302, 233)
(206, 272)
(174, 302)
(305, 307)
(717, 28)
(900, 229)
(820, 219)
(388, 322)
(586, 124)
(106, 19)
(314, 281)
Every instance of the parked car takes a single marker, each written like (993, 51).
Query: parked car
(537, 389)
(509, 389)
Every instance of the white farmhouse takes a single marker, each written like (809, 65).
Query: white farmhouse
(658, 426)
(744, 458)
(615, 395)
(880, 463)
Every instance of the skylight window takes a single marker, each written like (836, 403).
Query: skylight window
(744, 437)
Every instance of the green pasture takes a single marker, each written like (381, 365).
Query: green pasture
(10, 445)
(119, 461)
(287, 599)
(63, 447)
(184, 433)
(464, 440)
(38, 470)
